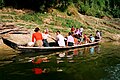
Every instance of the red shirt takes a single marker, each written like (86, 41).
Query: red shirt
(72, 29)
(37, 36)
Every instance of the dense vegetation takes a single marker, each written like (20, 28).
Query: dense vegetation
(97, 8)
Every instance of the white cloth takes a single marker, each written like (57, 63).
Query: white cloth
(30, 44)
(60, 40)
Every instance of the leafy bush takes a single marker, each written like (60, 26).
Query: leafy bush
(1, 3)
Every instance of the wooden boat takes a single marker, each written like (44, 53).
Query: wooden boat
(24, 48)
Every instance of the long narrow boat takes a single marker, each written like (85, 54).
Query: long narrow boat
(24, 48)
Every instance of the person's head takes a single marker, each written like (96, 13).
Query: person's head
(69, 33)
(90, 34)
(81, 26)
(97, 31)
(36, 29)
(77, 29)
(47, 30)
(58, 32)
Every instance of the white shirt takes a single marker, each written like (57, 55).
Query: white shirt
(98, 34)
(81, 29)
(60, 40)
(77, 32)
(45, 36)
(70, 39)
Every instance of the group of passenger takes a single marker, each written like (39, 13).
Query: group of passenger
(74, 37)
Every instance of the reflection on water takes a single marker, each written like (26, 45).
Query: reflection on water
(100, 62)
(64, 58)
(92, 50)
(114, 73)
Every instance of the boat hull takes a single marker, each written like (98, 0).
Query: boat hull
(23, 48)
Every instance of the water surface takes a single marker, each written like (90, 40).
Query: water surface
(101, 62)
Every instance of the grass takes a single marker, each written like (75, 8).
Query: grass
(20, 24)
(10, 13)
(7, 17)
(68, 22)
(109, 29)
(90, 27)
(29, 26)
(7, 20)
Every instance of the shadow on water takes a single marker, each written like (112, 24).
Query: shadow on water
(99, 62)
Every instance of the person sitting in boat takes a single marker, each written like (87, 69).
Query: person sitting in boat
(37, 37)
(97, 36)
(92, 39)
(73, 29)
(45, 37)
(81, 39)
(70, 39)
(81, 30)
(60, 39)
(101, 34)
(77, 33)
(86, 39)
(76, 41)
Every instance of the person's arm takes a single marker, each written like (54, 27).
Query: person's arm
(49, 36)
(32, 37)
(53, 38)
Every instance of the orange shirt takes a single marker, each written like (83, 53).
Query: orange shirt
(75, 40)
(37, 36)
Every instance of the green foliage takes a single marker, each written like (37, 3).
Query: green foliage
(99, 8)
(116, 12)
(32, 17)
(1, 3)
(95, 8)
